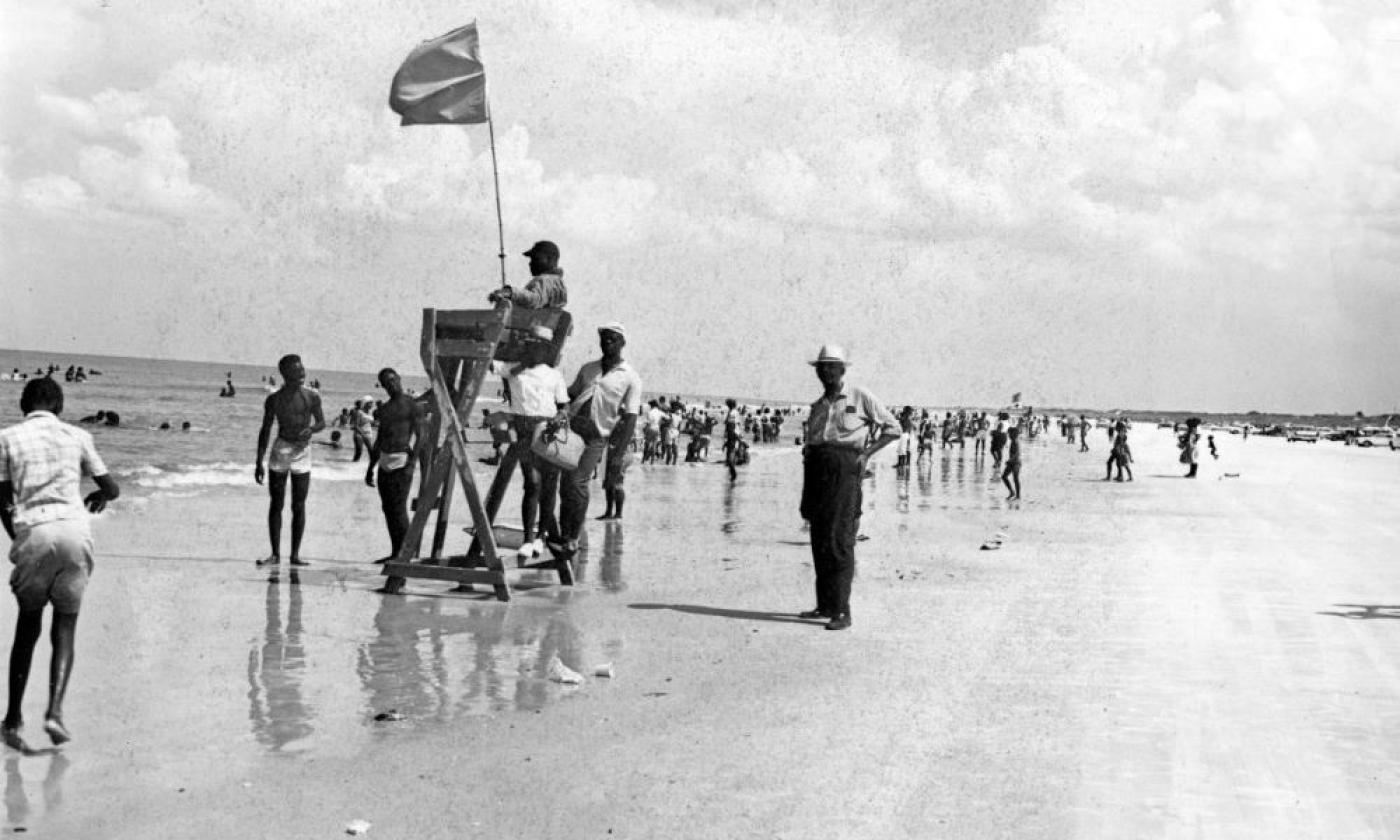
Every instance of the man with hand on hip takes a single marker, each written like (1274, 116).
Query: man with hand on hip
(845, 427)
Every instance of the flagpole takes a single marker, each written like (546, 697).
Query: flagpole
(496, 179)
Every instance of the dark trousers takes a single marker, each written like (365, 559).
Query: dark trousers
(573, 485)
(393, 499)
(831, 500)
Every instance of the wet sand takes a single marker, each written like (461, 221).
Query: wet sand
(1166, 658)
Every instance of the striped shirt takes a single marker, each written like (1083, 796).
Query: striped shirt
(45, 459)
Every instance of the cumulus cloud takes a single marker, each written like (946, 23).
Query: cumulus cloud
(796, 142)
(53, 194)
(122, 159)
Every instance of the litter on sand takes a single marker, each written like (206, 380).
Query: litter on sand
(391, 715)
(561, 673)
(991, 545)
(357, 827)
(604, 670)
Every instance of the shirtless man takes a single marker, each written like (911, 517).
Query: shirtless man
(297, 410)
(400, 425)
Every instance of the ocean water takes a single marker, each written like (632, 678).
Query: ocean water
(219, 450)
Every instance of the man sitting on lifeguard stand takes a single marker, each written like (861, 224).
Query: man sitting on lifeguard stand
(546, 287)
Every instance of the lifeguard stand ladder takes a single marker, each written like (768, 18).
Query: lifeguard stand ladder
(458, 347)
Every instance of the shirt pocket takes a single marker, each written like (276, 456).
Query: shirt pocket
(850, 422)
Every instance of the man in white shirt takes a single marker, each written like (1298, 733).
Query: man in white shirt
(538, 395)
(606, 399)
(42, 462)
(845, 427)
(651, 432)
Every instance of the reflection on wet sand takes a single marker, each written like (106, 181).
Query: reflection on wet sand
(610, 565)
(408, 666)
(17, 806)
(276, 670)
(729, 522)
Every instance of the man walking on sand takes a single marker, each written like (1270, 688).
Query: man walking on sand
(297, 410)
(42, 462)
(845, 427)
(606, 397)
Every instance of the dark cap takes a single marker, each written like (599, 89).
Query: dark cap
(544, 248)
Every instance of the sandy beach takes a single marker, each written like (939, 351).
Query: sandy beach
(1217, 658)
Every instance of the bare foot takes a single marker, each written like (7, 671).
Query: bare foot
(271, 560)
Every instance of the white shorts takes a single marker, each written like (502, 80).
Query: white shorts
(393, 461)
(290, 457)
(52, 563)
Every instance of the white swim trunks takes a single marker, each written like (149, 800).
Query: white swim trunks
(288, 456)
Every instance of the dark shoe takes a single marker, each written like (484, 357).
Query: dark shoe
(817, 613)
(839, 622)
(562, 549)
(297, 561)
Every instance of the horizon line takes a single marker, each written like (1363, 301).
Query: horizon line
(893, 405)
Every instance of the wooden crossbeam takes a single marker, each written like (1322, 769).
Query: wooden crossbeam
(457, 349)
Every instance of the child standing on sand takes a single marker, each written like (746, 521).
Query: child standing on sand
(1012, 473)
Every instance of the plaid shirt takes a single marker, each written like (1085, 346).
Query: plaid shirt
(45, 459)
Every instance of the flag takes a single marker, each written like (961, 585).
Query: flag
(1016, 398)
(442, 81)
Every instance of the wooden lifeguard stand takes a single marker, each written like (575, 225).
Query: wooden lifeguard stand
(457, 349)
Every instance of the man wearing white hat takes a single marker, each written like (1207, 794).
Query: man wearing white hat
(839, 444)
(606, 397)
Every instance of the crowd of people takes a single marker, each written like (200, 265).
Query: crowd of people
(665, 421)
(74, 373)
(42, 461)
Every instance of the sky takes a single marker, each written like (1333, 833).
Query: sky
(1097, 203)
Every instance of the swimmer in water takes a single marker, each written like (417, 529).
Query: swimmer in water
(297, 410)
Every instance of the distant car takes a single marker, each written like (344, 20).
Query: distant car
(1338, 434)
(1303, 434)
(1375, 436)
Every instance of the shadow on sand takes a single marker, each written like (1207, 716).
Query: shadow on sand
(1364, 611)
(718, 612)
